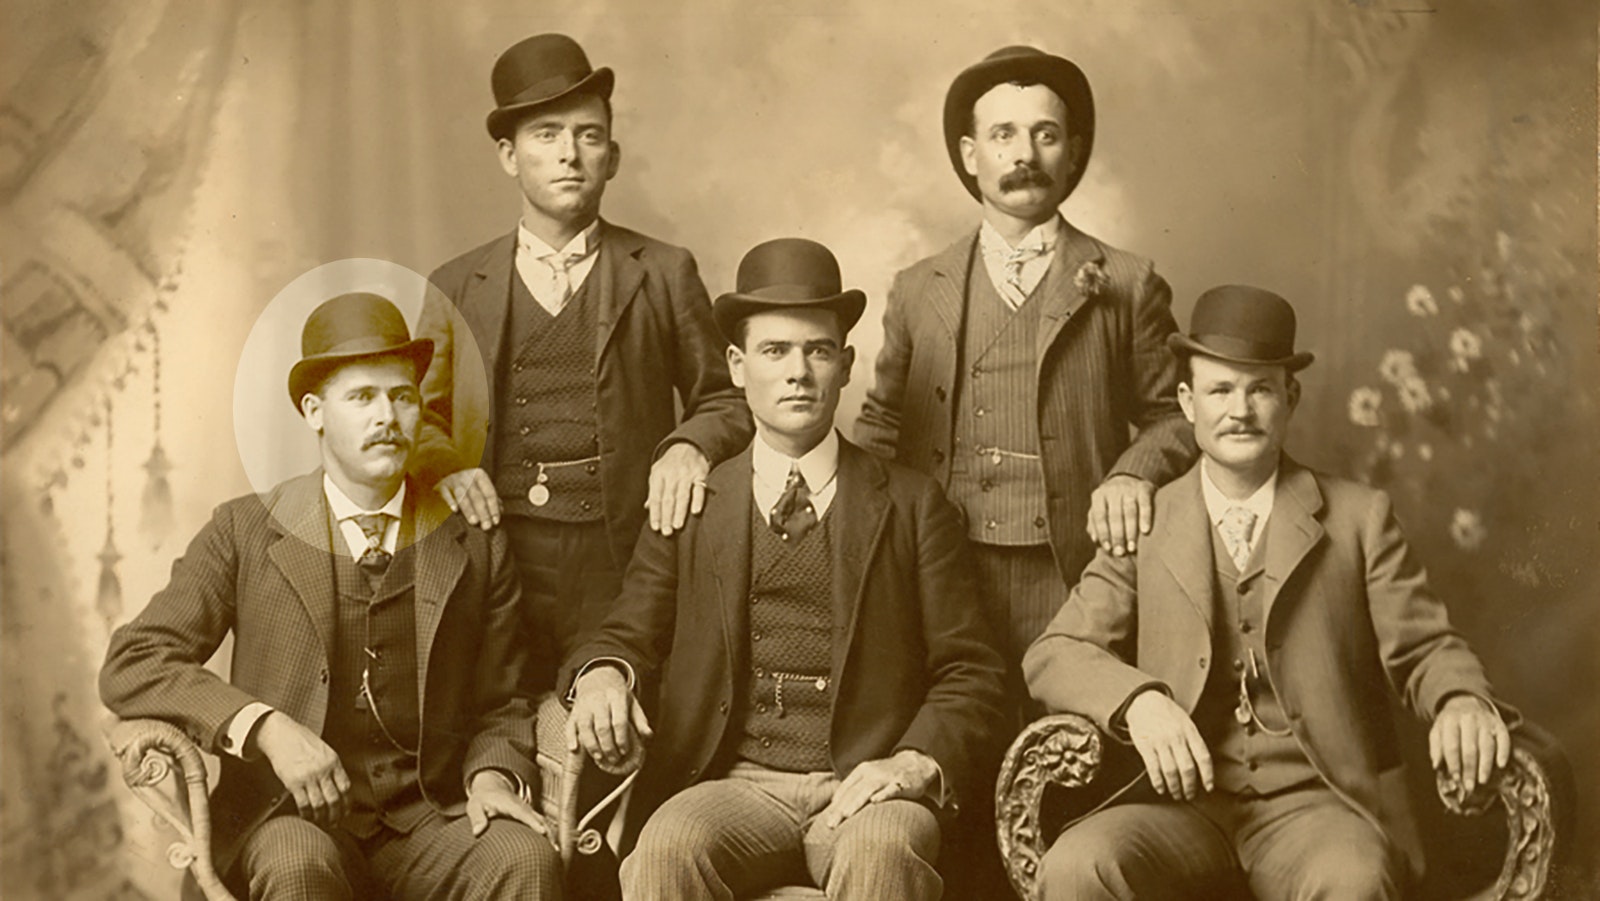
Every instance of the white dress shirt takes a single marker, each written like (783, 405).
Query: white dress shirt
(818, 466)
(1259, 502)
(1034, 253)
(541, 280)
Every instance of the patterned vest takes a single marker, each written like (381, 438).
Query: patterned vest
(1247, 760)
(545, 412)
(789, 702)
(384, 787)
(997, 408)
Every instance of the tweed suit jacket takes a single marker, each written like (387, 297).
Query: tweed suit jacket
(262, 570)
(1103, 368)
(913, 663)
(1349, 621)
(654, 333)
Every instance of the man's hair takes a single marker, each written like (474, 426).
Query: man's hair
(1022, 81)
(508, 130)
(1186, 372)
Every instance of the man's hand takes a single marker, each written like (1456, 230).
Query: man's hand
(471, 493)
(1469, 739)
(1120, 510)
(604, 716)
(1175, 757)
(491, 794)
(306, 766)
(908, 774)
(677, 487)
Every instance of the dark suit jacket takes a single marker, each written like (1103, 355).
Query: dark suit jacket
(1103, 367)
(261, 569)
(913, 661)
(1349, 623)
(654, 334)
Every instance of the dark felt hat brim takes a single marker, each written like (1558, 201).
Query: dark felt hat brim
(502, 120)
(307, 374)
(1059, 75)
(732, 308)
(1183, 344)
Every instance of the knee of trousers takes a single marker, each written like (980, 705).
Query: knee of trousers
(296, 858)
(516, 861)
(1084, 864)
(912, 835)
(1347, 873)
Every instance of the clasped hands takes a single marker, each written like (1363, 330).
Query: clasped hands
(1468, 739)
(606, 720)
(677, 490)
(315, 777)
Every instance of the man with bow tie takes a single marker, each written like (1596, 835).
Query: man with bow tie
(829, 690)
(1247, 658)
(374, 735)
(590, 336)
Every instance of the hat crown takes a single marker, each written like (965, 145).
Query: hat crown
(552, 62)
(1242, 324)
(1015, 51)
(789, 269)
(353, 323)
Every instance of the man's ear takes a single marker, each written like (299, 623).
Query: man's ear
(508, 155)
(969, 155)
(1075, 153)
(1294, 393)
(736, 365)
(311, 409)
(614, 161)
(847, 359)
(1186, 401)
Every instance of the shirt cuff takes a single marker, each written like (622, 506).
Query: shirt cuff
(523, 790)
(235, 737)
(617, 662)
(1117, 723)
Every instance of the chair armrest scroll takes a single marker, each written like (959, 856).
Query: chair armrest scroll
(1063, 749)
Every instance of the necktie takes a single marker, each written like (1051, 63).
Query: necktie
(1236, 526)
(374, 560)
(1015, 292)
(793, 516)
(561, 271)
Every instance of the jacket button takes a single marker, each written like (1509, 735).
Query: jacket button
(522, 401)
(1038, 522)
(525, 430)
(694, 771)
(722, 707)
(938, 457)
(1202, 663)
(323, 676)
(986, 485)
(939, 393)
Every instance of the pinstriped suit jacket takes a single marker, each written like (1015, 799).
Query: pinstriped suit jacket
(261, 569)
(1103, 369)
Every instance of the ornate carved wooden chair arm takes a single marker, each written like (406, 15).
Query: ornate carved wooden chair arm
(1536, 792)
(165, 770)
(1063, 749)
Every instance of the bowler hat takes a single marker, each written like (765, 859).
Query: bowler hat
(787, 273)
(538, 70)
(352, 327)
(1242, 324)
(1025, 65)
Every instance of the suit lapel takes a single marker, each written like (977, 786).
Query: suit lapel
(949, 288)
(1182, 543)
(860, 509)
(486, 302)
(439, 563)
(303, 551)
(725, 529)
(1295, 529)
(1059, 293)
(621, 274)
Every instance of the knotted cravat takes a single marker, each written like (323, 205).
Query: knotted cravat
(1014, 291)
(1236, 527)
(374, 561)
(793, 515)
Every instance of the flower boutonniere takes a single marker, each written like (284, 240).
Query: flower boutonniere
(1090, 279)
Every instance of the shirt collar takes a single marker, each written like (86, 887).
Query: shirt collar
(343, 507)
(819, 465)
(1217, 503)
(528, 242)
(1041, 238)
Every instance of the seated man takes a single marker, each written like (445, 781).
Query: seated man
(1247, 652)
(377, 653)
(831, 687)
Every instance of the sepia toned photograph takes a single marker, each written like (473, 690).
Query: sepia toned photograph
(785, 449)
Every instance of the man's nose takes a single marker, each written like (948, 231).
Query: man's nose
(566, 146)
(383, 409)
(1025, 150)
(800, 370)
(1239, 406)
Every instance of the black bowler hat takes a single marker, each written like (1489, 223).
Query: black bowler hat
(353, 327)
(1028, 66)
(787, 273)
(538, 70)
(1242, 324)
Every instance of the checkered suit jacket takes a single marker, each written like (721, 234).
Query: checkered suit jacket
(261, 570)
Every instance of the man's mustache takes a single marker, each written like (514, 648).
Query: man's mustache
(1025, 175)
(394, 438)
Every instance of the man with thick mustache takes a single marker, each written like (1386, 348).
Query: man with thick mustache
(374, 736)
(591, 336)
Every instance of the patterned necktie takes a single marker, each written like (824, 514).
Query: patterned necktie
(374, 560)
(1236, 526)
(561, 270)
(1015, 293)
(793, 515)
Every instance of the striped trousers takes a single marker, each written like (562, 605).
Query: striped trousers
(758, 829)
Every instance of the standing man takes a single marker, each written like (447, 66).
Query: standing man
(586, 330)
(832, 692)
(373, 736)
(1251, 653)
(1017, 361)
